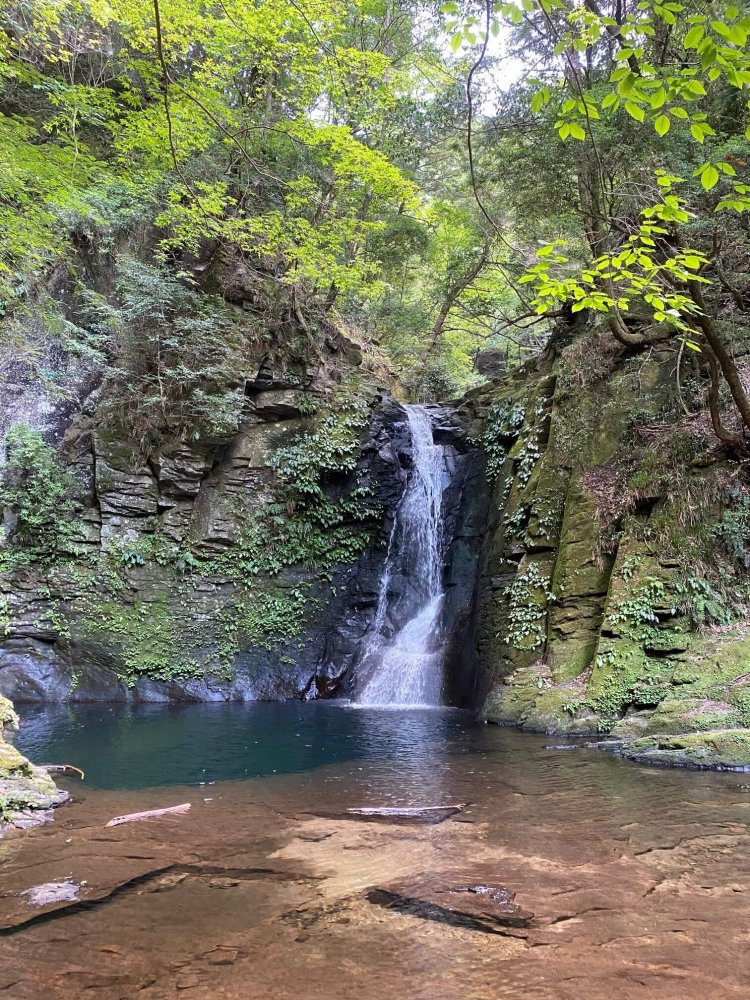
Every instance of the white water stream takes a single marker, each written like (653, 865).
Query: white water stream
(405, 666)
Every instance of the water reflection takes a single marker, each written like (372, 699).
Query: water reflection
(123, 747)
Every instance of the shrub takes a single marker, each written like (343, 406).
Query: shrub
(38, 491)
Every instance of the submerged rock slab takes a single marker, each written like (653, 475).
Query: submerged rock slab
(399, 814)
(483, 906)
(52, 892)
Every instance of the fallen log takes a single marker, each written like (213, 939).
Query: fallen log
(62, 768)
(149, 814)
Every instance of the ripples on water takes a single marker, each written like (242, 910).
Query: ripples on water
(121, 747)
(407, 755)
(637, 875)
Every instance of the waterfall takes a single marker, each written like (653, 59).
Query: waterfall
(402, 663)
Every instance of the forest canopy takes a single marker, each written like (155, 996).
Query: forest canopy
(452, 179)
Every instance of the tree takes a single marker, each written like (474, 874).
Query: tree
(661, 79)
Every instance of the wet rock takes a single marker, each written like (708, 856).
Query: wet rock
(723, 750)
(482, 906)
(187, 981)
(52, 892)
(405, 815)
(280, 404)
(223, 955)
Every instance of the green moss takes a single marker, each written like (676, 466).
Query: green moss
(37, 490)
(623, 675)
(143, 637)
(12, 762)
(502, 426)
(510, 703)
(8, 717)
(726, 748)
(529, 596)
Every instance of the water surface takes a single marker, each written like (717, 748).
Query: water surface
(120, 747)
(637, 877)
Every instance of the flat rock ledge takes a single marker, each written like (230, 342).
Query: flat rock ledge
(717, 750)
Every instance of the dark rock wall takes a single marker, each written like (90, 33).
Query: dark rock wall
(142, 630)
(589, 615)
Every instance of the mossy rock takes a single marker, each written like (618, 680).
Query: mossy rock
(573, 634)
(623, 676)
(23, 787)
(12, 762)
(683, 715)
(555, 711)
(509, 703)
(632, 725)
(529, 700)
(718, 749)
(8, 716)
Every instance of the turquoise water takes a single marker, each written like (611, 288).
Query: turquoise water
(127, 748)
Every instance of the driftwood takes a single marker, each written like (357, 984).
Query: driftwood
(64, 768)
(402, 810)
(399, 814)
(149, 814)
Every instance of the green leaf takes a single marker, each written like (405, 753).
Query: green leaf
(635, 111)
(577, 132)
(709, 177)
(662, 125)
(693, 37)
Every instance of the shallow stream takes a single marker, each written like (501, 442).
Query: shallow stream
(632, 882)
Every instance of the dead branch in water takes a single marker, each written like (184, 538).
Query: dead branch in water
(62, 768)
(149, 814)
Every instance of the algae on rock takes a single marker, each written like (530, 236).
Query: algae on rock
(618, 514)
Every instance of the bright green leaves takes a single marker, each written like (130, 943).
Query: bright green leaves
(637, 271)
(256, 92)
(40, 183)
(666, 93)
(571, 130)
(700, 129)
(635, 111)
(574, 115)
(709, 173)
(540, 99)
(709, 176)
(693, 38)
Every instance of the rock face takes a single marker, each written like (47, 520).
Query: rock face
(593, 611)
(595, 570)
(190, 575)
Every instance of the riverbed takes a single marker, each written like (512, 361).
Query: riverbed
(629, 881)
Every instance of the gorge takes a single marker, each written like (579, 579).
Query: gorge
(374, 499)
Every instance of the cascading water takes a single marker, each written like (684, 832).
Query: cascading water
(402, 664)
